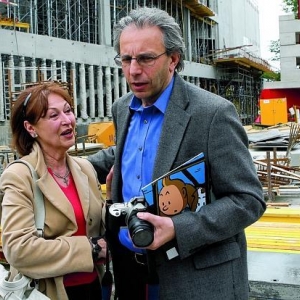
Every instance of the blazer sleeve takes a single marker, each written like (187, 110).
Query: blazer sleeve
(235, 184)
(102, 161)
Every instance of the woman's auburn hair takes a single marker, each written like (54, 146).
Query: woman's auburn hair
(35, 107)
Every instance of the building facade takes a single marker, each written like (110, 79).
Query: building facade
(71, 41)
(289, 85)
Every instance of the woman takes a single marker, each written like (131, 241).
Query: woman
(67, 260)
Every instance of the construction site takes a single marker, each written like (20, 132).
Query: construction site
(71, 41)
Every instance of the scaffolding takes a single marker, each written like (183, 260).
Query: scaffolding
(239, 80)
(65, 19)
(238, 76)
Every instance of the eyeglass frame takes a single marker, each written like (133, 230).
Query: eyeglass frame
(120, 63)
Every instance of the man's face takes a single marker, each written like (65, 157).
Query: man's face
(146, 82)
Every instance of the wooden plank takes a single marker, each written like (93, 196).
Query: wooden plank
(274, 235)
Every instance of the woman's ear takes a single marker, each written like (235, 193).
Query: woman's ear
(30, 129)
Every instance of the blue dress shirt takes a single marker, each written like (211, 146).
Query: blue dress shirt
(140, 149)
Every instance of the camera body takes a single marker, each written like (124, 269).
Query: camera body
(141, 232)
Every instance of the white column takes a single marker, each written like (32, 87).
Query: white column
(33, 70)
(100, 92)
(2, 91)
(11, 72)
(123, 85)
(22, 71)
(53, 70)
(73, 83)
(44, 70)
(92, 91)
(108, 91)
(63, 71)
(116, 84)
(82, 93)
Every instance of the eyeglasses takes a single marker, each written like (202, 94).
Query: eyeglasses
(25, 104)
(144, 60)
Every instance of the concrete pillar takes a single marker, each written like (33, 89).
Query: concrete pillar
(22, 70)
(92, 91)
(53, 70)
(33, 76)
(2, 91)
(116, 84)
(82, 93)
(44, 70)
(124, 90)
(108, 91)
(100, 92)
(73, 84)
(11, 71)
(63, 71)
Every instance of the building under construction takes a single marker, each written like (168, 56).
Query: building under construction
(71, 41)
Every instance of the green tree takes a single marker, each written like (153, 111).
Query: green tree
(291, 6)
(271, 76)
(275, 49)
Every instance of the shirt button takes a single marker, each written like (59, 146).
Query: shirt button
(138, 176)
(145, 121)
(140, 148)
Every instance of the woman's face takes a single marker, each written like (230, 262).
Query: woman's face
(56, 129)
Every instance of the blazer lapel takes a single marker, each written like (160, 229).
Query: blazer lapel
(55, 195)
(122, 120)
(175, 122)
(82, 185)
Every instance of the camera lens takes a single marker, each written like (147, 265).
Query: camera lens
(141, 232)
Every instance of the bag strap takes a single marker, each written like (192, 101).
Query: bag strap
(39, 205)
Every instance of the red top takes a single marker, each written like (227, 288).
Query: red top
(71, 193)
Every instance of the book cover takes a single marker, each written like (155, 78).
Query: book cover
(183, 188)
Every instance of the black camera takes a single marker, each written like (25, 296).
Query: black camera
(141, 232)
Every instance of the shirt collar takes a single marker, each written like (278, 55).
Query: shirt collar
(161, 103)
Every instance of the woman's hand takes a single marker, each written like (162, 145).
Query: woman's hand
(99, 249)
(102, 243)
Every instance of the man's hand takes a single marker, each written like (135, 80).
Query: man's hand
(108, 183)
(163, 229)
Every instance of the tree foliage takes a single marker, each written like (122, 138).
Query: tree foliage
(271, 76)
(275, 50)
(290, 6)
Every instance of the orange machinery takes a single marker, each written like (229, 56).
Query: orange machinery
(103, 133)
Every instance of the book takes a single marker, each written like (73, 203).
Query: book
(185, 188)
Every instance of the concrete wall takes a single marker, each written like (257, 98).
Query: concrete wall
(289, 50)
(239, 24)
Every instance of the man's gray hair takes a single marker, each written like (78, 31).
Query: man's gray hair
(145, 17)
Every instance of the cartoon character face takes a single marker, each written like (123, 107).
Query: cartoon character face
(171, 200)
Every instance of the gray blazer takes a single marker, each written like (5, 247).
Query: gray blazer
(212, 263)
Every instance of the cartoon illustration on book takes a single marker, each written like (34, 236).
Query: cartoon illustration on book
(184, 188)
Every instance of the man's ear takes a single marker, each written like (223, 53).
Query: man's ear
(175, 57)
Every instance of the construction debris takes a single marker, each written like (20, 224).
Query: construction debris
(275, 171)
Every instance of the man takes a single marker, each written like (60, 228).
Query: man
(162, 123)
